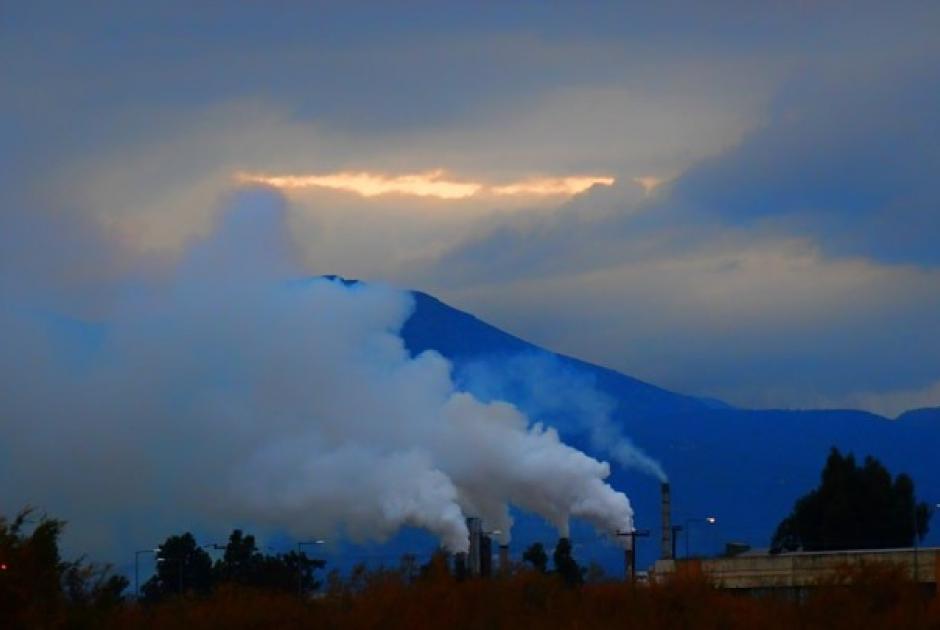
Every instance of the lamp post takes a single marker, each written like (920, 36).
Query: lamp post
(300, 565)
(486, 551)
(709, 520)
(137, 568)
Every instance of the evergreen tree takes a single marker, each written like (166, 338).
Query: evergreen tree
(565, 564)
(241, 561)
(854, 507)
(182, 567)
(38, 588)
(244, 564)
(536, 556)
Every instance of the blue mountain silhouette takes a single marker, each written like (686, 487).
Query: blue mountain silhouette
(744, 466)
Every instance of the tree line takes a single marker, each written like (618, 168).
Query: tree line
(854, 506)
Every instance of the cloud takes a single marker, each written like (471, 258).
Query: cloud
(232, 388)
(552, 186)
(889, 403)
(847, 160)
(427, 184)
(765, 323)
(806, 132)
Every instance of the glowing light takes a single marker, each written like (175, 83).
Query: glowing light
(649, 183)
(552, 186)
(425, 184)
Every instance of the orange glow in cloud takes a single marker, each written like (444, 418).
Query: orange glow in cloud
(552, 186)
(649, 183)
(425, 184)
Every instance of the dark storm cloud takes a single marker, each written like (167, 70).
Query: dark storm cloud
(799, 267)
(789, 261)
(849, 158)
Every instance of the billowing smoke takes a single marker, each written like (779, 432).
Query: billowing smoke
(545, 387)
(232, 390)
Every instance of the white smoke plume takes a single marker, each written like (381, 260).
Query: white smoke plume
(545, 387)
(229, 389)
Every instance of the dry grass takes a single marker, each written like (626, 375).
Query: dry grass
(871, 597)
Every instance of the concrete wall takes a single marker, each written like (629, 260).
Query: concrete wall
(798, 570)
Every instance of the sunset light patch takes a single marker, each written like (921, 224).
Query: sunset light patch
(552, 186)
(649, 183)
(434, 183)
(426, 184)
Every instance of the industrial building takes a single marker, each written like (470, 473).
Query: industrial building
(759, 571)
(478, 560)
(793, 573)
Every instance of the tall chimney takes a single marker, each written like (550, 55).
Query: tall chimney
(666, 549)
(486, 556)
(504, 559)
(475, 526)
(628, 559)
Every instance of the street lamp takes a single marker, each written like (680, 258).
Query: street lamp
(300, 557)
(137, 568)
(708, 520)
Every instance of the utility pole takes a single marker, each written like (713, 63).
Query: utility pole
(629, 554)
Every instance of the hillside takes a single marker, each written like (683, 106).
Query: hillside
(744, 466)
(463, 338)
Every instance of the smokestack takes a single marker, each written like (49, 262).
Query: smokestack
(504, 559)
(475, 527)
(666, 549)
(486, 556)
(628, 556)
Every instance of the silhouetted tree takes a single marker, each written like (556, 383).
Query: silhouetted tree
(182, 567)
(241, 562)
(31, 567)
(280, 572)
(244, 564)
(565, 564)
(854, 508)
(536, 556)
(37, 586)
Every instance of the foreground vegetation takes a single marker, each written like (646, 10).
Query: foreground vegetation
(878, 598)
(38, 590)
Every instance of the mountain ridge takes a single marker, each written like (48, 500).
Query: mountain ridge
(745, 466)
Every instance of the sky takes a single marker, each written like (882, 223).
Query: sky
(735, 200)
